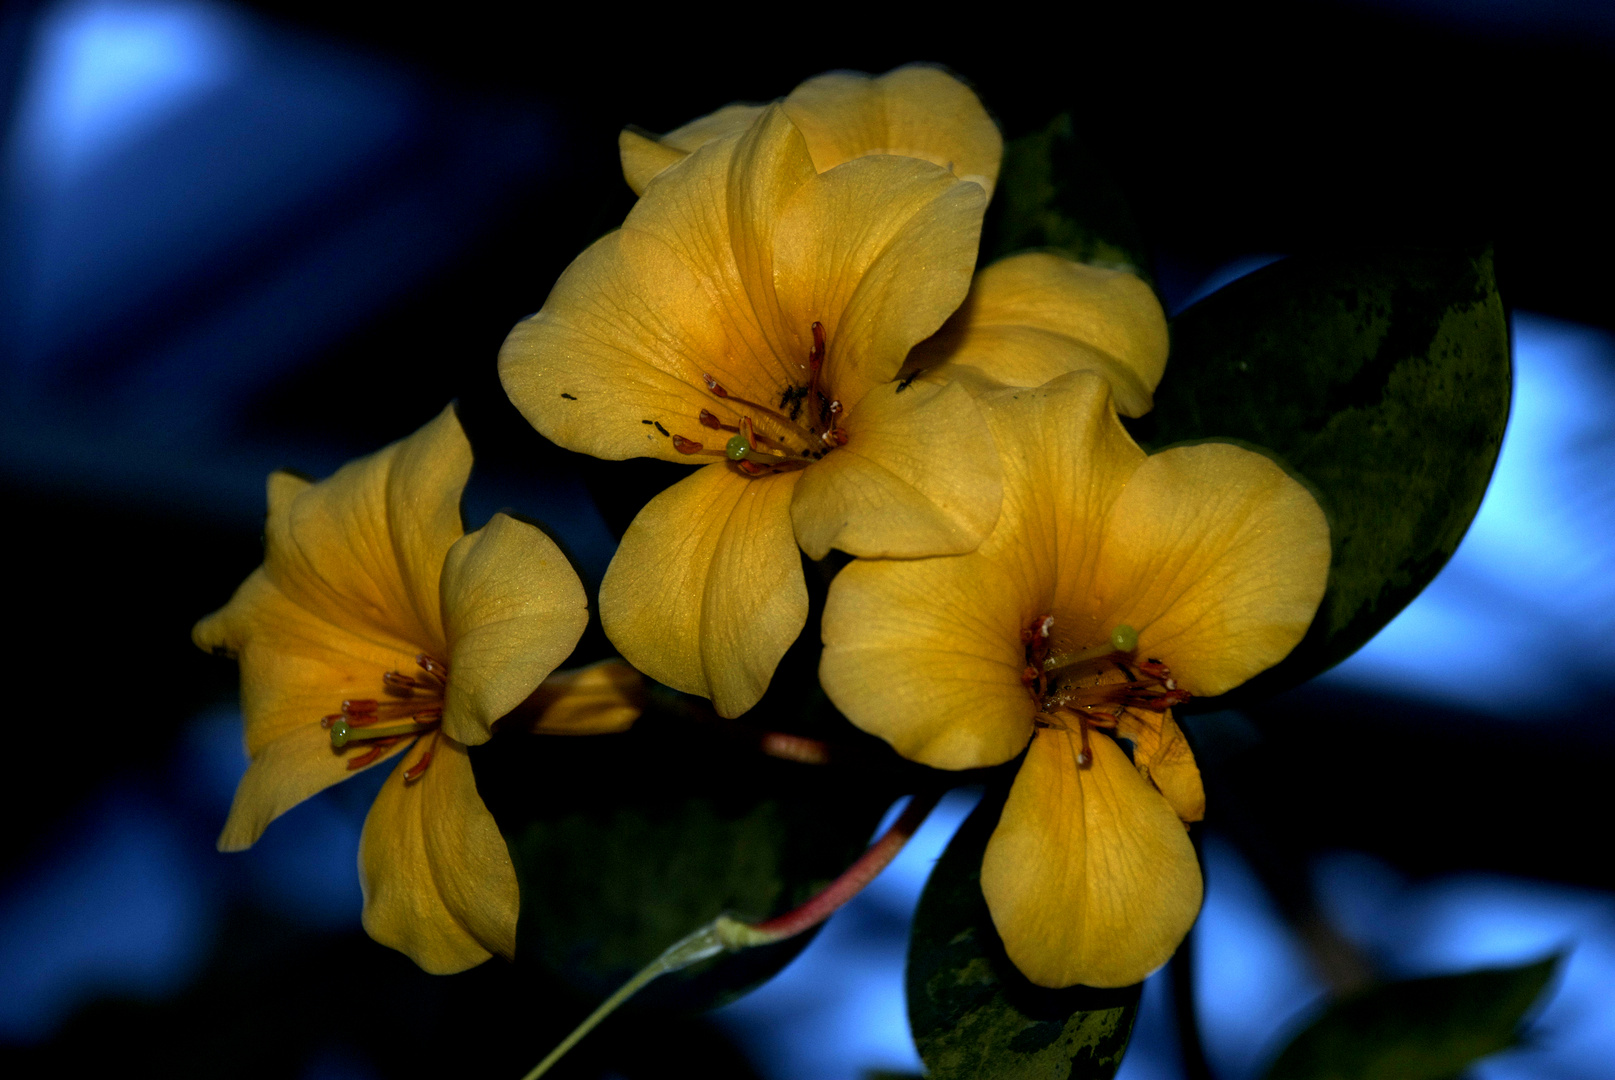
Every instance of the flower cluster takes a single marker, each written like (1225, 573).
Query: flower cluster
(792, 307)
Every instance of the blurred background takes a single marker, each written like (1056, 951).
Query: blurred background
(240, 237)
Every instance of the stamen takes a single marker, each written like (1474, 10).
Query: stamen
(690, 446)
(413, 773)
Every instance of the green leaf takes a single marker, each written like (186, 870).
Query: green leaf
(624, 844)
(1423, 1029)
(973, 1014)
(1055, 192)
(1382, 382)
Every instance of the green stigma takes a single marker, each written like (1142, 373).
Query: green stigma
(737, 448)
(340, 733)
(1124, 638)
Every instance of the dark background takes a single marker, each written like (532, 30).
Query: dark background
(241, 237)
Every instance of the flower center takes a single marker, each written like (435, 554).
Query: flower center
(415, 699)
(799, 430)
(1093, 687)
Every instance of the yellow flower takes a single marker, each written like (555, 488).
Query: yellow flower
(1035, 316)
(753, 312)
(915, 111)
(377, 628)
(1114, 586)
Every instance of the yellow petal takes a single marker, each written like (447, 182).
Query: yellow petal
(706, 592)
(513, 609)
(614, 363)
(1089, 876)
(879, 250)
(1162, 756)
(1032, 317)
(1218, 559)
(438, 882)
(283, 773)
(364, 548)
(914, 111)
(927, 655)
(644, 156)
(601, 699)
(919, 476)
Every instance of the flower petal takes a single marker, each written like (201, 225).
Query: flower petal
(514, 609)
(1032, 317)
(919, 476)
(706, 592)
(914, 111)
(601, 699)
(1090, 876)
(879, 250)
(644, 156)
(364, 548)
(1218, 559)
(927, 655)
(438, 882)
(614, 364)
(1162, 756)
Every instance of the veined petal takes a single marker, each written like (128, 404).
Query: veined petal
(1032, 317)
(284, 772)
(1090, 877)
(919, 476)
(601, 699)
(1162, 756)
(914, 111)
(438, 882)
(706, 593)
(363, 549)
(927, 655)
(645, 156)
(879, 250)
(1218, 559)
(514, 609)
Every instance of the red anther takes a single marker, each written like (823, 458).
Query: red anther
(1154, 669)
(327, 721)
(751, 468)
(712, 384)
(432, 666)
(837, 437)
(413, 773)
(429, 715)
(1029, 676)
(686, 446)
(708, 420)
(367, 758)
(358, 706)
(1085, 758)
(816, 356)
(747, 432)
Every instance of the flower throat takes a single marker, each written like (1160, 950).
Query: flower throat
(1093, 687)
(417, 699)
(804, 425)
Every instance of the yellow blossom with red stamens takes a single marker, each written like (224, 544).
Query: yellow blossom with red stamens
(377, 628)
(1114, 586)
(753, 313)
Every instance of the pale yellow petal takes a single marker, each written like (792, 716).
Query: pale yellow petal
(513, 609)
(1218, 559)
(919, 476)
(363, 549)
(438, 882)
(729, 120)
(1032, 317)
(880, 251)
(601, 699)
(645, 156)
(1162, 756)
(1090, 877)
(706, 592)
(283, 773)
(915, 111)
(927, 655)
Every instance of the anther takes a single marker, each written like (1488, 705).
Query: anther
(711, 421)
(714, 386)
(686, 446)
(816, 356)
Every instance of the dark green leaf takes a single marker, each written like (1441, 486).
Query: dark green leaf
(1382, 382)
(1054, 192)
(972, 1013)
(1424, 1029)
(625, 843)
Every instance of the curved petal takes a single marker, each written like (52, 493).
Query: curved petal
(919, 476)
(914, 111)
(438, 882)
(879, 250)
(1090, 876)
(364, 548)
(1032, 317)
(706, 592)
(1162, 756)
(601, 699)
(645, 156)
(927, 655)
(514, 609)
(1218, 559)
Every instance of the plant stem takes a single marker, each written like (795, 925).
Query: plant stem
(725, 934)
